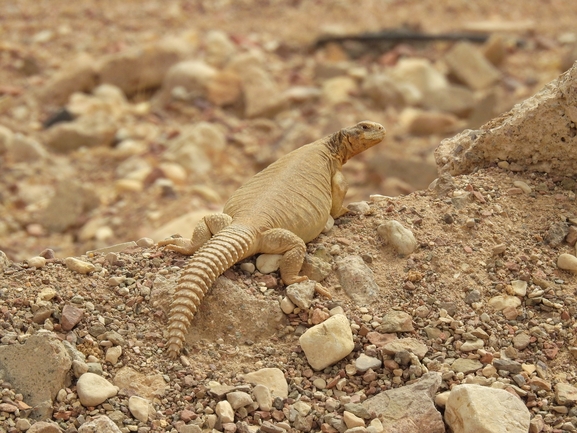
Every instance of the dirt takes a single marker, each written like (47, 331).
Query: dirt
(455, 254)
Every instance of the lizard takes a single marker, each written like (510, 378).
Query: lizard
(277, 211)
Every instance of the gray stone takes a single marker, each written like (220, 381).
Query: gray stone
(364, 362)
(409, 409)
(478, 409)
(547, 145)
(316, 268)
(328, 342)
(507, 365)
(469, 65)
(357, 280)
(301, 294)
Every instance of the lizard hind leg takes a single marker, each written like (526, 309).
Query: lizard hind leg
(293, 249)
(207, 227)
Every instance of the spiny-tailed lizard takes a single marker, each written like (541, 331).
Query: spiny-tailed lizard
(277, 211)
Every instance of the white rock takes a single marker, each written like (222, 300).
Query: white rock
(567, 262)
(263, 397)
(351, 420)
(520, 184)
(327, 342)
(501, 302)
(37, 262)
(224, 411)
(100, 424)
(272, 378)
(267, 263)
(93, 389)
(79, 266)
(397, 236)
(479, 409)
(139, 408)
(364, 362)
(286, 305)
(519, 287)
(113, 353)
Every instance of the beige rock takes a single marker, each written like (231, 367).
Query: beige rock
(544, 145)
(218, 48)
(93, 389)
(37, 262)
(406, 344)
(338, 89)
(139, 408)
(272, 378)
(44, 427)
(148, 386)
(263, 397)
(419, 73)
(480, 409)
(501, 302)
(567, 262)
(86, 131)
(100, 424)
(79, 75)
(420, 122)
(565, 394)
(469, 65)
(457, 100)
(351, 420)
(397, 236)
(396, 321)
(328, 342)
(192, 75)
(79, 266)
(25, 149)
(113, 353)
(267, 263)
(224, 411)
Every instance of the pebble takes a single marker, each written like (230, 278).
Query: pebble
(268, 263)
(411, 345)
(100, 423)
(470, 345)
(567, 262)
(45, 427)
(519, 288)
(37, 262)
(93, 389)
(565, 394)
(396, 321)
(286, 305)
(79, 266)
(475, 408)
(248, 267)
(351, 420)
(399, 237)
(263, 397)
(71, 315)
(469, 65)
(364, 362)
(224, 412)
(272, 378)
(420, 122)
(302, 294)
(238, 399)
(464, 365)
(501, 302)
(524, 187)
(138, 407)
(145, 242)
(357, 279)
(328, 342)
(360, 207)
(113, 353)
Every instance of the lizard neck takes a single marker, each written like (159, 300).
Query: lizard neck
(339, 146)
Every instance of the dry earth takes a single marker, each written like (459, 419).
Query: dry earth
(446, 285)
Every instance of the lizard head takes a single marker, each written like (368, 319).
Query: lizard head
(359, 138)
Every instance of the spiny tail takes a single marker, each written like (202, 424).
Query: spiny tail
(217, 255)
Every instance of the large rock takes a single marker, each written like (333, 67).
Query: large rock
(537, 134)
(479, 409)
(328, 342)
(148, 386)
(409, 409)
(37, 369)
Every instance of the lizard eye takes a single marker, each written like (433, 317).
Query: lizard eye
(365, 127)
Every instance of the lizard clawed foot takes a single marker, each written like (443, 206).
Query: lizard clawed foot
(323, 291)
(179, 245)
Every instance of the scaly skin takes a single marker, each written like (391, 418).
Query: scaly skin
(276, 212)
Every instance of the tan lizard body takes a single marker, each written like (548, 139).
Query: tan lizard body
(277, 212)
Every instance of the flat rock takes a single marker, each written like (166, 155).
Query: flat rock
(272, 378)
(501, 302)
(464, 365)
(398, 237)
(93, 389)
(409, 409)
(364, 362)
(565, 394)
(357, 279)
(238, 399)
(71, 316)
(516, 137)
(396, 321)
(130, 382)
(100, 424)
(44, 427)
(406, 344)
(480, 409)
(139, 408)
(37, 369)
(328, 342)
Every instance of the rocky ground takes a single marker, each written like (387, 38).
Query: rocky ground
(122, 122)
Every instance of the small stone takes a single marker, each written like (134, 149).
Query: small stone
(302, 408)
(411, 345)
(357, 279)
(319, 316)
(328, 342)
(463, 365)
(501, 302)
(499, 249)
(470, 66)
(272, 378)
(396, 321)
(338, 89)
(361, 207)
(567, 262)
(364, 362)
(79, 266)
(100, 423)
(352, 420)
(71, 315)
(565, 394)
(320, 383)
(421, 122)
(524, 187)
(238, 399)
(145, 242)
(519, 287)
(507, 365)
(471, 345)
(23, 424)
(93, 389)
(224, 411)
(113, 353)
(47, 427)
(139, 408)
(301, 294)
(286, 305)
(248, 267)
(521, 340)
(37, 262)
(400, 238)
(263, 397)
(268, 263)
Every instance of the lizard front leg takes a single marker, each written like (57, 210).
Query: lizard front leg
(204, 230)
(293, 248)
(339, 187)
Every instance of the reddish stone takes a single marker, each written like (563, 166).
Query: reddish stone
(187, 415)
(71, 315)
